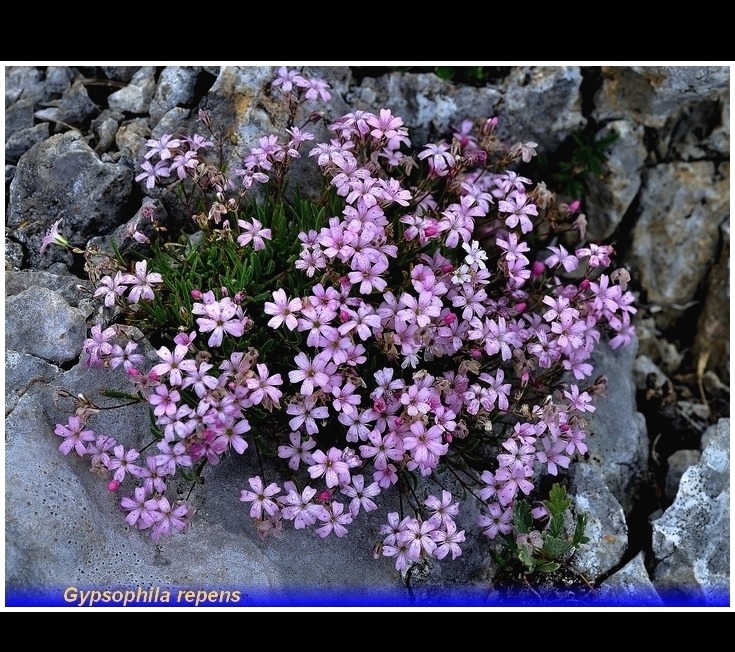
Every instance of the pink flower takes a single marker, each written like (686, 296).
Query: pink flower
(74, 436)
(174, 363)
(53, 237)
(283, 310)
(169, 519)
(253, 232)
(141, 282)
(222, 317)
(261, 497)
(298, 451)
(331, 466)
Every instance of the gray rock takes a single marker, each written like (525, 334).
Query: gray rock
(175, 87)
(542, 104)
(105, 127)
(606, 526)
(137, 95)
(62, 177)
(700, 131)
(618, 440)
(23, 371)
(691, 541)
(650, 95)
(18, 116)
(73, 290)
(21, 141)
(26, 83)
(611, 194)
(630, 587)
(678, 462)
(63, 528)
(171, 121)
(41, 323)
(681, 204)
(712, 338)
(428, 105)
(58, 79)
(130, 139)
(121, 238)
(120, 73)
(13, 255)
(75, 107)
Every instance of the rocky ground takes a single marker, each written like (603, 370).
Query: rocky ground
(74, 136)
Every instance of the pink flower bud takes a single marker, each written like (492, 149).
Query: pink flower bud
(537, 269)
(324, 495)
(524, 378)
(447, 268)
(147, 211)
(475, 354)
(450, 318)
(448, 437)
(196, 294)
(584, 284)
(489, 126)
(205, 118)
(521, 307)
(574, 206)
(344, 316)
(113, 485)
(430, 231)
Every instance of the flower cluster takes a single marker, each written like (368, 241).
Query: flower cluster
(429, 314)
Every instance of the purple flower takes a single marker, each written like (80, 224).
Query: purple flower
(54, 237)
(74, 436)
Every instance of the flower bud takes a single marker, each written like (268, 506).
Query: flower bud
(205, 118)
(584, 284)
(148, 211)
(196, 294)
(475, 354)
(489, 126)
(113, 485)
(450, 318)
(430, 231)
(537, 269)
(574, 206)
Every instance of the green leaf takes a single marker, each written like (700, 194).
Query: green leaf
(556, 548)
(579, 536)
(526, 559)
(522, 519)
(445, 72)
(548, 567)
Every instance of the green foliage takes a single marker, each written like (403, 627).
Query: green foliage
(570, 166)
(532, 551)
